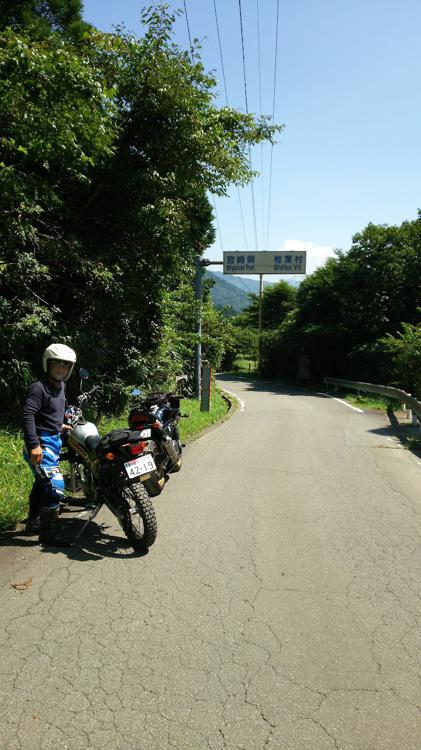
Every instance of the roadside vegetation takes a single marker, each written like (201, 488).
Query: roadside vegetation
(245, 366)
(357, 317)
(371, 401)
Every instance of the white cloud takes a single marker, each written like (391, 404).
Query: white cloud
(316, 254)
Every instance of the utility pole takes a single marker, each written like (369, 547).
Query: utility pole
(198, 345)
(200, 263)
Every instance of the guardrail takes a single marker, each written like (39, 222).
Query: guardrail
(410, 402)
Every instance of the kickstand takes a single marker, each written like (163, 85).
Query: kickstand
(88, 520)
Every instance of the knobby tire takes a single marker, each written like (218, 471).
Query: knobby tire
(140, 525)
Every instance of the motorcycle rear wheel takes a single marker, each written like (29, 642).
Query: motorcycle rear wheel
(140, 525)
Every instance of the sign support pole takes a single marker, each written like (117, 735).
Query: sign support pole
(260, 320)
(260, 263)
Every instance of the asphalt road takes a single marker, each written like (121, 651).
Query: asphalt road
(280, 606)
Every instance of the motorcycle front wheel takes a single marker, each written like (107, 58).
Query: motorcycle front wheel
(139, 525)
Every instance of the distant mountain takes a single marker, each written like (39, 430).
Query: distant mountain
(234, 290)
(224, 292)
(247, 285)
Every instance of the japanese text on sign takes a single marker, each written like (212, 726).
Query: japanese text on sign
(265, 262)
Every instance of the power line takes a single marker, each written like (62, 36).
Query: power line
(242, 220)
(259, 67)
(244, 56)
(273, 118)
(258, 56)
(247, 111)
(188, 29)
(226, 101)
(220, 52)
(276, 60)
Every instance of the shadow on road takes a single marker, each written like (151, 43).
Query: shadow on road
(260, 385)
(404, 432)
(94, 544)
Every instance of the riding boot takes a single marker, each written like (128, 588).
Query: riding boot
(50, 533)
(33, 522)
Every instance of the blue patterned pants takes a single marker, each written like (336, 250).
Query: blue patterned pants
(48, 487)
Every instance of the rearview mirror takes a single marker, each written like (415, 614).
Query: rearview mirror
(83, 374)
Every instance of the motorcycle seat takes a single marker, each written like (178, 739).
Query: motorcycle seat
(117, 438)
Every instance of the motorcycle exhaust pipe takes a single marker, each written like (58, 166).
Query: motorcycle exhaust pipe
(168, 445)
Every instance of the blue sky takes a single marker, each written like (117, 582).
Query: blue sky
(348, 90)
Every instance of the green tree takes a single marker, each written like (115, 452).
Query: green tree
(57, 125)
(108, 149)
(218, 336)
(277, 301)
(41, 17)
(405, 352)
(355, 299)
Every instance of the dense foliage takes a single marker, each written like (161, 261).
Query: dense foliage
(40, 17)
(358, 316)
(109, 146)
(277, 301)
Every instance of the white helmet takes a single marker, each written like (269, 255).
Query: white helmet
(59, 351)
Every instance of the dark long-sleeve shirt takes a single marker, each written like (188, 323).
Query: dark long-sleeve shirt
(43, 410)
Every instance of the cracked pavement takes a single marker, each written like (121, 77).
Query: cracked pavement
(280, 606)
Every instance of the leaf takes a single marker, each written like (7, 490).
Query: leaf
(22, 585)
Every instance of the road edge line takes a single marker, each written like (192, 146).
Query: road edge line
(335, 398)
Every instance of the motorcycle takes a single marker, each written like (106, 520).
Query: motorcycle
(112, 470)
(156, 417)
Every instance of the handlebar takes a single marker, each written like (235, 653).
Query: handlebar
(84, 397)
(74, 413)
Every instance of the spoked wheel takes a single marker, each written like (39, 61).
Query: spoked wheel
(140, 524)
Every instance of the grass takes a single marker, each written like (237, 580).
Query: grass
(16, 477)
(414, 445)
(199, 420)
(189, 427)
(244, 366)
(371, 401)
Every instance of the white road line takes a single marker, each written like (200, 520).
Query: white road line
(242, 404)
(361, 411)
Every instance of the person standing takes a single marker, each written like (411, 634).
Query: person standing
(43, 417)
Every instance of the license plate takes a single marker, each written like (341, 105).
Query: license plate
(146, 433)
(139, 466)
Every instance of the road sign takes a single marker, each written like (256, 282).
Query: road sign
(265, 262)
